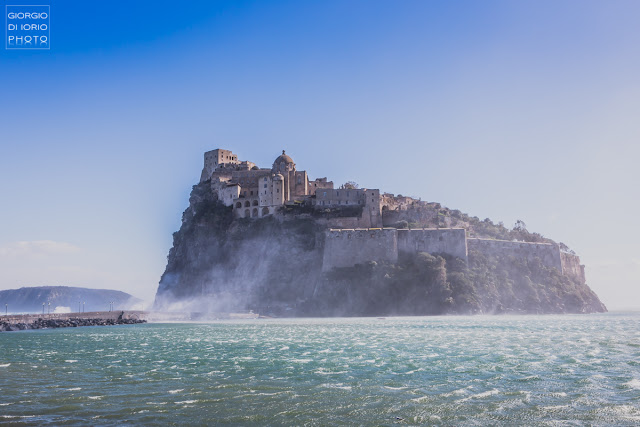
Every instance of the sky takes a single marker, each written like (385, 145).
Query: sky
(508, 110)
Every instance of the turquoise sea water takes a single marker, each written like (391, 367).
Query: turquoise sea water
(501, 370)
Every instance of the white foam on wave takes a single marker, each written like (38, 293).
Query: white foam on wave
(321, 371)
(186, 402)
(16, 416)
(74, 389)
(96, 397)
(71, 361)
(458, 392)
(338, 386)
(5, 365)
(6, 404)
(176, 391)
(481, 395)
(634, 383)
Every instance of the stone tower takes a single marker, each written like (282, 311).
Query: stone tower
(284, 166)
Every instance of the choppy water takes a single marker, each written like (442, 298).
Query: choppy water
(547, 370)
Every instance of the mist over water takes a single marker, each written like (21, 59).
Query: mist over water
(480, 370)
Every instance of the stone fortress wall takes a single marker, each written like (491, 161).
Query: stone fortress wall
(347, 247)
(450, 241)
(548, 253)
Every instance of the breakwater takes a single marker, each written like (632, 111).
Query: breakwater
(23, 322)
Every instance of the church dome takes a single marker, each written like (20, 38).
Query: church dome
(283, 158)
(283, 163)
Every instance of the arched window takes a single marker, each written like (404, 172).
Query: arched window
(255, 203)
(239, 205)
(247, 204)
(265, 211)
(246, 213)
(255, 212)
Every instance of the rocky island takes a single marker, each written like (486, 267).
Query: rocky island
(276, 242)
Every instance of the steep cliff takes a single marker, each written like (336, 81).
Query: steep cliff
(274, 266)
(221, 264)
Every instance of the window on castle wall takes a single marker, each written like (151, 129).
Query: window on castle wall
(265, 185)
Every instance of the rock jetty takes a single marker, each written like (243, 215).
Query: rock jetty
(26, 322)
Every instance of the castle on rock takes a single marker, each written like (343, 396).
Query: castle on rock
(361, 224)
(256, 192)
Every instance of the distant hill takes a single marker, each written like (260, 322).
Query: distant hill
(64, 298)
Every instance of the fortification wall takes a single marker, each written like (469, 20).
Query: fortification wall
(548, 253)
(571, 266)
(346, 248)
(451, 241)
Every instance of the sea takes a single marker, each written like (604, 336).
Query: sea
(552, 370)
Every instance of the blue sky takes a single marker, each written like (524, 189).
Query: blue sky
(508, 110)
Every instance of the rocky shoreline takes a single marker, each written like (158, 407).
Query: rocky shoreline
(64, 323)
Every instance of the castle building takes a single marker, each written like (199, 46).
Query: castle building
(361, 221)
(257, 192)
